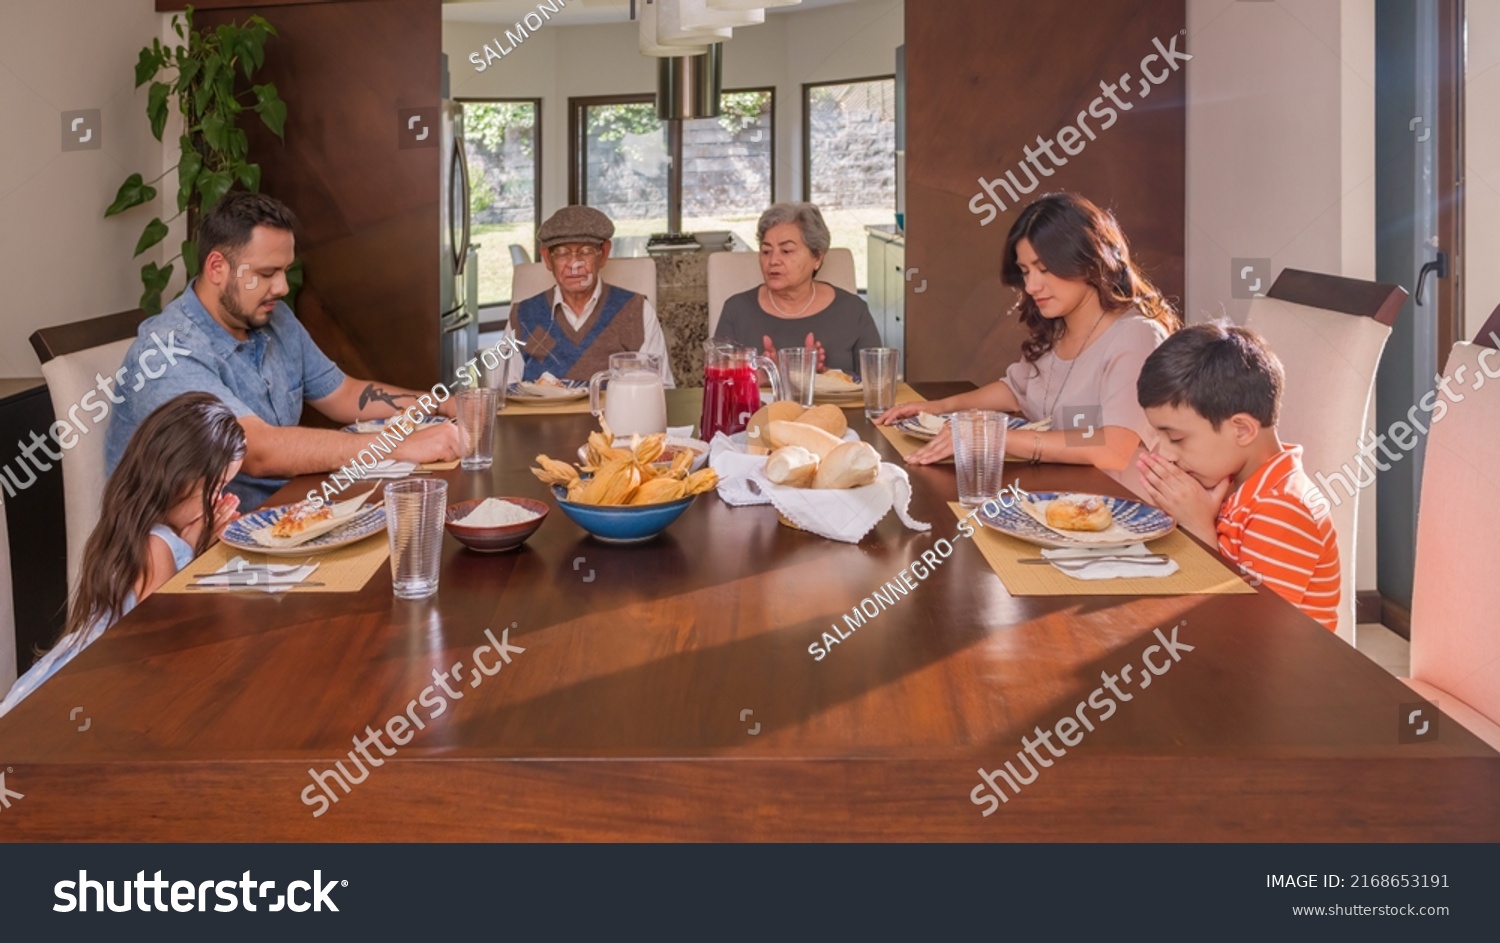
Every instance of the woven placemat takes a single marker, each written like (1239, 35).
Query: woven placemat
(439, 466)
(899, 440)
(1198, 573)
(345, 570)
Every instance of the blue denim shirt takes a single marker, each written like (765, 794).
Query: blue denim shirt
(270, 375)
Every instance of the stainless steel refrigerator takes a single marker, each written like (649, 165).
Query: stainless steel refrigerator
(459, 273)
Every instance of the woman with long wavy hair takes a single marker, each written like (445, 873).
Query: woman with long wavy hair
(162, 507)
(1093, 318)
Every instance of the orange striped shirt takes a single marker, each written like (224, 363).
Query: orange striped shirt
(1269, 528)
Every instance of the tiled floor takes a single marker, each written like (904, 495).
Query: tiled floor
(1384, 647)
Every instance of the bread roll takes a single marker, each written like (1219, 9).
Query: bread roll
(755, 430)
(827, 417)
(812, 438)
(851, 465)
(792, 465)
(1079, 512)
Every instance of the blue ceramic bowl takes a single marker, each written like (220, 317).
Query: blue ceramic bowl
(622, 525)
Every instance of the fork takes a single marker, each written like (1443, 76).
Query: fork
(1150, 559)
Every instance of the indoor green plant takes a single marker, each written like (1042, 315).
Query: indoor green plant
(213, 149)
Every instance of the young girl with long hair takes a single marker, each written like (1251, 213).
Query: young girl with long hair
(163, 506)
(1093, 318)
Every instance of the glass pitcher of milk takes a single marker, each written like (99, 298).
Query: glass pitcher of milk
(637, 400)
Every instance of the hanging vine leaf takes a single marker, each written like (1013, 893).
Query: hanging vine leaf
(271, 108)
(187, 172)
(155, 281)
(133, 192)
(147, 66)
(156, 107)
(156, 231)
(190, 258)
(249, 175)
(212, 187)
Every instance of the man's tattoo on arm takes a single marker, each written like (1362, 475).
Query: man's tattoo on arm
(372, 393)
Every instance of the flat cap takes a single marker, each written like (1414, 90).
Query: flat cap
(575, 224)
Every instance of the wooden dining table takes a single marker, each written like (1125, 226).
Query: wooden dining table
(665, 691)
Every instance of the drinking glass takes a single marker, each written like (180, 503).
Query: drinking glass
(476, 417)
(493, 377)
(414, 512)
(978, 454)
(799, 370)
(877, 368)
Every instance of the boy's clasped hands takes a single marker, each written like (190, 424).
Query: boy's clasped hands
(1195, 507)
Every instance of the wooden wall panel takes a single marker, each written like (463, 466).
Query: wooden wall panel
(368, 208)
(984, 79)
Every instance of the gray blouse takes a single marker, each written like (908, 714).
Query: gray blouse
(843, 328)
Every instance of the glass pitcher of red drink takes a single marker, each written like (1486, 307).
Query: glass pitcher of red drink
(731, 394)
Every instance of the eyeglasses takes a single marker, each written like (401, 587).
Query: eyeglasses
(582, 253)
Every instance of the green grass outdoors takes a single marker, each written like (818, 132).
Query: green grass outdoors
(847, 227)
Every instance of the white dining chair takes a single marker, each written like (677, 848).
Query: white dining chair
(1455, 648)
(637, 275)
(1329, 333)
(69, 376)
(7, 611)
(730, 273)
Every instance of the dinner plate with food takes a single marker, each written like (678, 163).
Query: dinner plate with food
(547, 389)
(305, 527)
(399, 422)
(836, 384)
(1050, 519)
(928, 425)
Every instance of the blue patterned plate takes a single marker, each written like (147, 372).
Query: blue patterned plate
(913, 428)
(1134, 522)
(378, 425)
(362, 525)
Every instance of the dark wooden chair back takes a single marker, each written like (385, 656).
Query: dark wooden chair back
(60, 339)
(1489, 331)
(1335, 293)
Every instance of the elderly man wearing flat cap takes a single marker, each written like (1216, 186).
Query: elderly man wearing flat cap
(570, 331)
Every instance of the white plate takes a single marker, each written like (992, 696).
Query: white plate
(528, 392)
(916, 430)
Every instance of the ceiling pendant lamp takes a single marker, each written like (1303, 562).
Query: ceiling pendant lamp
(648, 43)
(728, 5)
(671, 31)
(697, 14)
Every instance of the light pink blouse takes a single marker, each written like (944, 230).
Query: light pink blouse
(1101, 382)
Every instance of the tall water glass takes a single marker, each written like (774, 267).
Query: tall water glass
(978, 455)
(877, 372)
(799, 369)
(414, 512)
(476, 417)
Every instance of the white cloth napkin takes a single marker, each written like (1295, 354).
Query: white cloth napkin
(240, 573)
(1110, 569)
(846, 514)
(390, 468)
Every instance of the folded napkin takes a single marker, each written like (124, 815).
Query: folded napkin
(1110, 569)
(390, 468)
(240, 573)
(846, 515)
(680, 432)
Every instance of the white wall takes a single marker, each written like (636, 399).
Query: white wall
(60, 260)
(1482, 160)
(1281, 155)
(557, 62)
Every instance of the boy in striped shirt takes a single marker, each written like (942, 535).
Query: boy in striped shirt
(1213, 392)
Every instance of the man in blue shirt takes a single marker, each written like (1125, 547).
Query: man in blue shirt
(230, 334)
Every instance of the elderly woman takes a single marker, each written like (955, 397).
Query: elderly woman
(792, 309)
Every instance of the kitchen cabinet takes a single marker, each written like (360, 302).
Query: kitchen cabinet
(887, 288)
